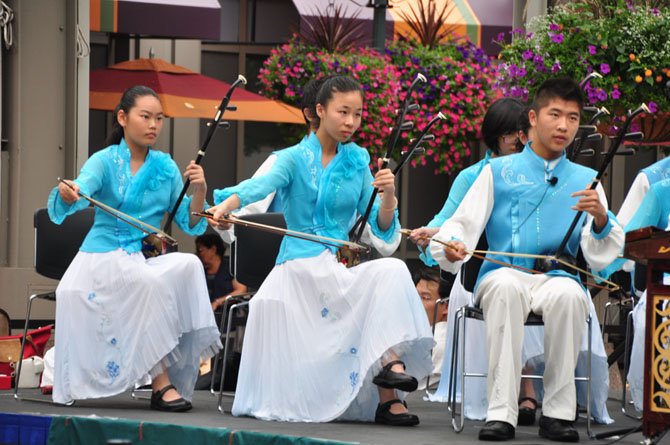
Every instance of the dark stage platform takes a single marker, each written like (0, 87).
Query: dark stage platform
(435, 427)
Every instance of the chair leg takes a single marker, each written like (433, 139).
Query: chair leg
(216, 357)
(452, 367)
(459, 354)
(17, 396)
(225, 355)
(588, 381)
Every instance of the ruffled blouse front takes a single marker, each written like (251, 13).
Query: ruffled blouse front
(316, 200)
(146, 195)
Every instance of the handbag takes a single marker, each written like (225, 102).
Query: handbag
(10, 348)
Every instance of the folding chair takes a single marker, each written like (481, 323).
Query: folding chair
(458, 364)
(469, 275)
(55, 248)
(255, 255)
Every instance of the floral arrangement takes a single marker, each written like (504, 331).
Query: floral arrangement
(628, 45)
(460, 80)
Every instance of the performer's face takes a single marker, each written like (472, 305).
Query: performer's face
(143, 122)
(555, 126)
(341, 116)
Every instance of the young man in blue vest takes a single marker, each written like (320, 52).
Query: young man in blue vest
(526, 203)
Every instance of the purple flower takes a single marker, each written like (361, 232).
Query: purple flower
(528, 54)
(554, 27)
(501, 37)
(604, 68)
(601, 94)
(616, 94)
(653, 107)
(655, 12)
(556, 67)
(557, 38)
(592, 50)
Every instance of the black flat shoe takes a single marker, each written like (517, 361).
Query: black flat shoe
(174, 406)
(384, 416)
(558, 429)
(527, 415)
(395, 380)
(496, 431)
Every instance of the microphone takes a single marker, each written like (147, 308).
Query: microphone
(553, 180)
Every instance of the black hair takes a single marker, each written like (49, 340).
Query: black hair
(523, 125)
(336, 84)
(128, 100)
(557, 88)
(432, 274)
(308, 101)
(501, 118)
(211, 239)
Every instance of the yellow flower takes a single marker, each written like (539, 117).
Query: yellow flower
(647, 73)
(631, 56)
(638, 79)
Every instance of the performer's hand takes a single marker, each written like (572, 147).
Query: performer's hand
(221, 210)
(196, 175)
(385, 181)
(589, 202)
(455, 251)
(421, 236)
(66, 193)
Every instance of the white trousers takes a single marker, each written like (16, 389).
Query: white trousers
(506, 297)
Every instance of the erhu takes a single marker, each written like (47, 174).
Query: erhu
(347, 257)
(153, 246)
(559, 259)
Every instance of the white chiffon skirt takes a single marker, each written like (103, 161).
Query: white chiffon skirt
(476, 360)
(120, 316)
(315, 336)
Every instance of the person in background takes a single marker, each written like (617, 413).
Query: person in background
(220, 283)
(432, 288)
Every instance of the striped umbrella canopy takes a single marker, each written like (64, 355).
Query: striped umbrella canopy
(184, 93)
(480, 20)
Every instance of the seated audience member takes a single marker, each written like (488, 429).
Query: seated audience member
(431, 289)
(220, 283)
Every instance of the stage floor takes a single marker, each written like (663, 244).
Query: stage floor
(435, 427)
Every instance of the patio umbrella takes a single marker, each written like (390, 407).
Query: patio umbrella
(184, 93)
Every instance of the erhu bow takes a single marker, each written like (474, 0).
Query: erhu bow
(160, 240)
(482, 255)
(333, 242)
